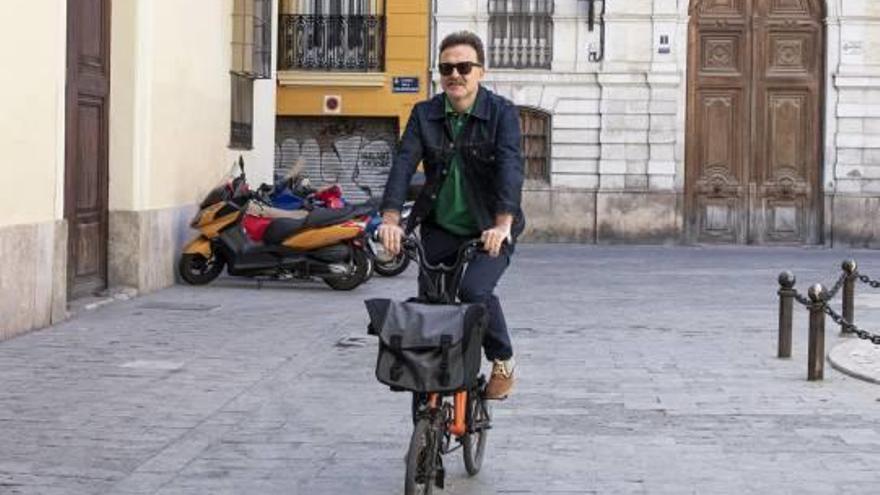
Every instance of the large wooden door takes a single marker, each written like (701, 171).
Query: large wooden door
(754, 140)
(85, 190)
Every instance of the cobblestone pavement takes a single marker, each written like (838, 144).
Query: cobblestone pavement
(642, 370)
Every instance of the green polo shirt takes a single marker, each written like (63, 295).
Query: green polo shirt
(451, 210)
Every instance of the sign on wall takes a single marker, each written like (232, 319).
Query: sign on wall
(405, 85)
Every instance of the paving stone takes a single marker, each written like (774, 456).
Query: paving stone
(641, 370)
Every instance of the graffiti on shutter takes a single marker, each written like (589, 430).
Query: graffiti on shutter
(351, 152)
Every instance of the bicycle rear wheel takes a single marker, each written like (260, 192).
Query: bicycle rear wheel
(421, 465)
(474, 441)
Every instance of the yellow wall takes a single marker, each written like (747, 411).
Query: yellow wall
(170, 101)
(32, 48)
(406, 55)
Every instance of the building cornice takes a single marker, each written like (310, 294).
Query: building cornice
(347, 79)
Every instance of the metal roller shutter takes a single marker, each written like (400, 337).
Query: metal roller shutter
(344, 150)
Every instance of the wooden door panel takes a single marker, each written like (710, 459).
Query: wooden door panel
(87, 258)
(786, 158)
(720, 8)
(89, 18)
(719, 187)
(722, 54)
(89, 205)
(786, 146)
(790, 7)
(86, 195)
(784, 219)
(718, 103)
(719, 118)
(88, 155)
(791, 54)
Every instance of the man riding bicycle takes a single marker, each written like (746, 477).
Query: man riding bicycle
(469, 141)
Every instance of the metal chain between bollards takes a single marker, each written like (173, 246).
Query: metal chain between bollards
(804, 300)
(849, 327)
(866, 279)
(837, 286)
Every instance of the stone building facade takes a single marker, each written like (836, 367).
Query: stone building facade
(696, 121)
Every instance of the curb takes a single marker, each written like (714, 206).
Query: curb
(857, 358)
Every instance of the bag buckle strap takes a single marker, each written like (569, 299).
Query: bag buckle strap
(396, 370)
(445, 344)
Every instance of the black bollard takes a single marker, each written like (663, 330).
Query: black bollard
(816, 350)
(786, 299)
(849, 288)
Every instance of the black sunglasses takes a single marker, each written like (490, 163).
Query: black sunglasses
(463, 68)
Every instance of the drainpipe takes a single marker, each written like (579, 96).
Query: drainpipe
(594, 55)
(432, 29)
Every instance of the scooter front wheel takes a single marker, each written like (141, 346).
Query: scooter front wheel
(195, 269)
(392, 268)
(359, 273)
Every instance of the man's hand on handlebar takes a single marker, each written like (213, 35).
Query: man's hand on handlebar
(494, 238)
(390, 232)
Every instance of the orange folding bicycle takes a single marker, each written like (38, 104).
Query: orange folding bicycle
(445, 422)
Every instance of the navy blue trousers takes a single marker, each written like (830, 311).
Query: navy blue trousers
(477, 284)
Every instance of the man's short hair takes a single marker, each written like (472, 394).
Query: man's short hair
(465, 38)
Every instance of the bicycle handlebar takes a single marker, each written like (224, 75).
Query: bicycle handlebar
(415, 251)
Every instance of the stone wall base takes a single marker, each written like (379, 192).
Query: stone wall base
(854, 222)
(559, 215)
(33, 276)
(145, 245)
(572, 215)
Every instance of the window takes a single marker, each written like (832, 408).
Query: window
(251, 59)
(535, 129)
(345, 35)
(521, 34)
(243, 37)
(242, 135)
(263, 39)
(252, 38)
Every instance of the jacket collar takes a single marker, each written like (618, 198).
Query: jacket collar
(437, 110)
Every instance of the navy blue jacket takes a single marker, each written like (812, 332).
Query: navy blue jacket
(491, 154)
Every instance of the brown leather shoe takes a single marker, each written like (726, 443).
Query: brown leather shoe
(501, 382)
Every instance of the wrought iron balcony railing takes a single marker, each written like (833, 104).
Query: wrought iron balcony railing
(353, 43)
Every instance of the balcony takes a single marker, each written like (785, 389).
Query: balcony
(331, 43)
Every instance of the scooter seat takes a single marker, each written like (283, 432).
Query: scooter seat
(262, 210)
(322, 217)
(282, 228)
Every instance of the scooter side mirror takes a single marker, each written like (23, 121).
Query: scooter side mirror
(366, 190)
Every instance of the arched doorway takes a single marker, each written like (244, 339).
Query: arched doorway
(754, 121)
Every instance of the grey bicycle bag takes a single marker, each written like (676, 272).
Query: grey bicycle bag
(427, 347)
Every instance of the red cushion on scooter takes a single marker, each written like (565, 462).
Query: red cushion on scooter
(331, 196)
(255, 226)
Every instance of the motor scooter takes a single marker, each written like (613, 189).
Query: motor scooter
(323, 243)
(294, 191)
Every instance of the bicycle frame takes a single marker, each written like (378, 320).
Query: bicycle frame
(457, 423)
(466, 413)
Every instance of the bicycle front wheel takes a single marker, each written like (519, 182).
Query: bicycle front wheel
(421, 460)
(474, 441)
